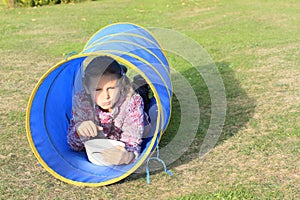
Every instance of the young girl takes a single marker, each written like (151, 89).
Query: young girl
(108, 103)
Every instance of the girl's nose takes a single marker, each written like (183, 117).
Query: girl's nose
(106, 94)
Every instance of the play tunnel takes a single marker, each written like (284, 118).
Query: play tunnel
(50, 106)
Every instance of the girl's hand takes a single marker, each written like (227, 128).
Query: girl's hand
(88, 129)
(117, 155)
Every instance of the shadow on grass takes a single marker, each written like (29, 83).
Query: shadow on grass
(240, 108)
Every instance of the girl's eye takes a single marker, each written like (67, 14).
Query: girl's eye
(109, 88)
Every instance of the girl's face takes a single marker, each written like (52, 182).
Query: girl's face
(106, 91)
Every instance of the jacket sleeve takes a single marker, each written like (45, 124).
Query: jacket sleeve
(133, 126)
(82, 110)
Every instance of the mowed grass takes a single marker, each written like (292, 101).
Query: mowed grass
(256, 47)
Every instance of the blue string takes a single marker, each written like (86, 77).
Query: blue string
(158, 159)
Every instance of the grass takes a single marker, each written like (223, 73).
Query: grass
(256, 47)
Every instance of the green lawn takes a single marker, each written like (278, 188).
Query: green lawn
(256, 48)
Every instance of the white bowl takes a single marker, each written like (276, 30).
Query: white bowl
(95, 146)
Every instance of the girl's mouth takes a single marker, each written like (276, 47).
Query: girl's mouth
(106, 103)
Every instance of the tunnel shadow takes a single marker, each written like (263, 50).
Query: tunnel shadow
(239, 110)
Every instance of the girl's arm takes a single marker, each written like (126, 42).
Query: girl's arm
(82, 110)
(133, 126)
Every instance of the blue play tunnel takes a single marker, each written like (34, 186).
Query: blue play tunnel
(50, 105)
